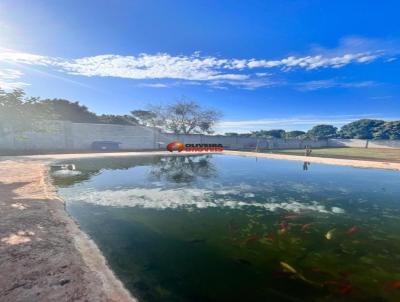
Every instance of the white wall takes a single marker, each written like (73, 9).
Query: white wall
(362, 143)
(79, 136)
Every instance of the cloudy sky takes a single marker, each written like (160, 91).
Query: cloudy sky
(264, 64)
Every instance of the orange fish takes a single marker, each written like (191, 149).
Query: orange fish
(270, 237)
(396, 284)
(346, 289)
(306, 226)
(283, 227)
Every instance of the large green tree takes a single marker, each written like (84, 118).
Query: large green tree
(388, 130)
(19, 113)
(274, 133)
(117, 119)
(295, 134)
(69, 111)
(362, 129)
(322, 132)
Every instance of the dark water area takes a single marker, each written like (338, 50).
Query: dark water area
(230, 228)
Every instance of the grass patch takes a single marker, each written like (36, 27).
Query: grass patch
(351, 153)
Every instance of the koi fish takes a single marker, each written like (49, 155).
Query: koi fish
(352, 230)
(270, 237)
(329, 234)
(284, 227)
(346, 289)
(289, 269)
(396, 284)
(306, 226)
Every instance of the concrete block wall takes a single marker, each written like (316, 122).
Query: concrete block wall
(130, 137)
(362, 143)
(79, 136)
(53, 139)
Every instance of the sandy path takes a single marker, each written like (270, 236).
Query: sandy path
(43, 254)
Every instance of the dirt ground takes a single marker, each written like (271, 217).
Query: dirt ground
(43, 254)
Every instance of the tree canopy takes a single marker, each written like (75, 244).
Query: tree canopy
(295, 134)
(322, 132)
(19, 113)
(148, 118)
(274, 133)
(182, 117)
(387, 130)
(363, 129)
(68, 111)
(188, 117)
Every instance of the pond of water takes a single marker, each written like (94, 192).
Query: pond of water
(230, 228)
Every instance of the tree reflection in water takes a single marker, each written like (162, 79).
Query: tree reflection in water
(178, 169)
(181, 169)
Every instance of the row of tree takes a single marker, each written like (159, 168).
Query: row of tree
(361, 129)
(19, 113)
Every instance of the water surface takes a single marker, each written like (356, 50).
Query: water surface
(230, 228)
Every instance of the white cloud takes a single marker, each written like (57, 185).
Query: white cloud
(218, 72)
(153, 85)
(324, 84)
(314, 62)
(144, 66)
(25, 58)
(249, 84)
(10, 79)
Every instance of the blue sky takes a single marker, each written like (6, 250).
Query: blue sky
(264, 64)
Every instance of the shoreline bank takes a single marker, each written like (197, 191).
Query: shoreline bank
(44, 254)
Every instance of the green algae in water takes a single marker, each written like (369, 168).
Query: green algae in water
(222, 228)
